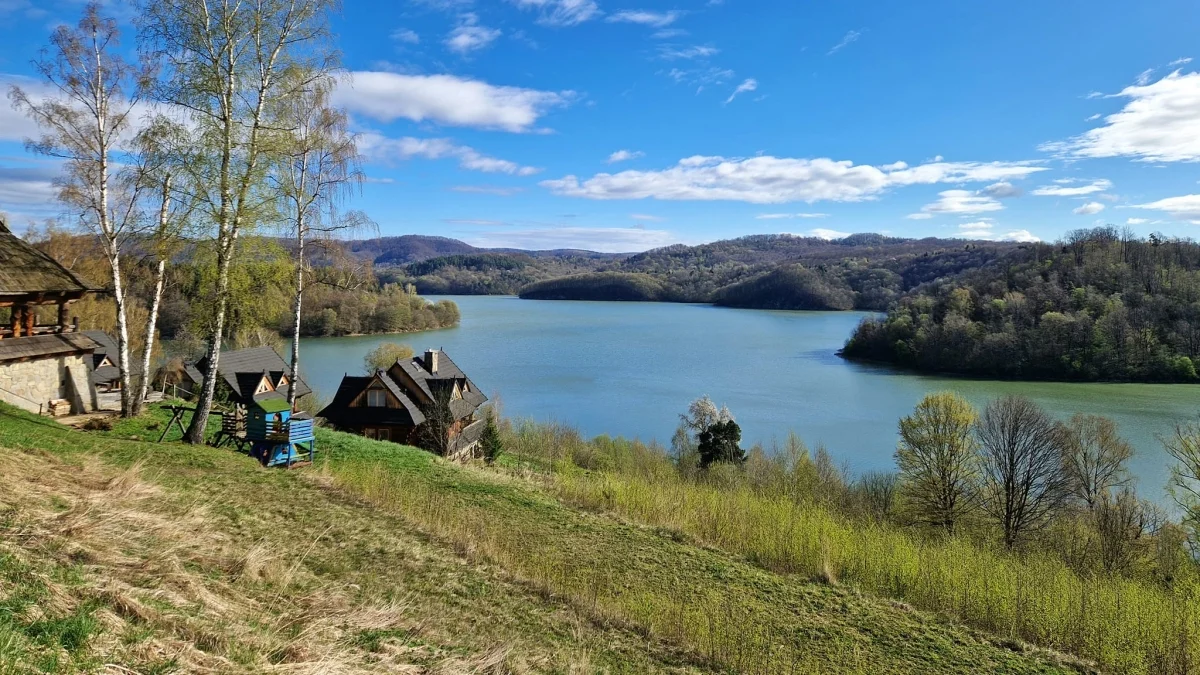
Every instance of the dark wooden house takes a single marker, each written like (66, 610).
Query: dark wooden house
(105, 373)
(45, 363)
(405, 404)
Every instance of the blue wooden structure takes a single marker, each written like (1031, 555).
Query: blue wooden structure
(276, 435)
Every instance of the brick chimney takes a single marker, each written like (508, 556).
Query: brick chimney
(431, 360)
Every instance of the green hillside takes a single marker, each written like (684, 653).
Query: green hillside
(173, 558)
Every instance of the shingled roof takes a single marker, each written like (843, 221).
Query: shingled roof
(341, 413)
(243, 369)
(39, 346)
(25, 270)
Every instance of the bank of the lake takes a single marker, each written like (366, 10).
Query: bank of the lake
(630, 368)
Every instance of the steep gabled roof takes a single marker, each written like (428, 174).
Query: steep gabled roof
(447, 373)
(341, 413)
(243, 369)
(24, 269)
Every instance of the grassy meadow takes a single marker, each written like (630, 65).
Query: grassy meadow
(126, 554)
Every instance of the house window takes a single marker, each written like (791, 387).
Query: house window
(376, 398)
(384, 435)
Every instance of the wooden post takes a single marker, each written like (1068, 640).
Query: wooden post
(62, 317)
(16, 319)
(30, 315)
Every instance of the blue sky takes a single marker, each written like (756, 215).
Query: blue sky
(623, 125)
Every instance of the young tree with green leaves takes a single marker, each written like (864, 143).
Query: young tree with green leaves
(385, 356)
(319, 168)
(226, 63)
(83, 120)
(938, 460)
(490, 443)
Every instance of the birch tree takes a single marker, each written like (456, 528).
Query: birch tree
(320, 167)
(161, 151)
(88, 108)
(226, 60)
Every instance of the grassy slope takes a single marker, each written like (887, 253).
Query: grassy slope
(169, 557)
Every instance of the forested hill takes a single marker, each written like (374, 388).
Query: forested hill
(1100, 305)
(865, 271)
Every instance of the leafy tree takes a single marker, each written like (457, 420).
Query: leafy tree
(225, 66)
(318, 168)
(385, 356)
(1094, 457)
(82, 122)
(490, 442)
(720, 442)
(1024, 483)
(938, 460)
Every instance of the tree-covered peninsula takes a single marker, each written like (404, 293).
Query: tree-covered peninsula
(1101, 304)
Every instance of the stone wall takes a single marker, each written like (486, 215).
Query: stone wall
(31, 384)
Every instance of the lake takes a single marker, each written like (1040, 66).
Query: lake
(630, 369)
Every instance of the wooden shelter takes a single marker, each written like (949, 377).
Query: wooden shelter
(44, 360)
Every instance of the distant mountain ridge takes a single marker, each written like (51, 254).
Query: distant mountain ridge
(410, 248)
(777, 271)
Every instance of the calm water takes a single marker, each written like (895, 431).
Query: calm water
(630, 369)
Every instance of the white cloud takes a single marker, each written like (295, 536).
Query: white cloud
(775, 180)
(962, 202)
(1088, 209)
(562, 12)
(1001, 190)
(778, 216)
(1066, 190)
(624, 155)
(668, 33)
(1023, 236)
(487, 190)
(702, 77)
(1144, 76)
(749, 84)
(645, 17)
(673, 52)
(1136, 221)
(827, 234)
(469, 36)
(1180, 62)
(1159, 123)
(605, 239)
(1186, 207)
(850, 37)
(406, 35)
(649, 218)
(379, 148)
(919, 216)
(446, 99)
(984, 229)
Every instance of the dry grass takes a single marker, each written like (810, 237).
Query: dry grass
(177, 559)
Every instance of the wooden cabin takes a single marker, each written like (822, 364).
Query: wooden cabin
(277, 436)
(45, 363)
(106, 376)
(246, 377)
(393, 404)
